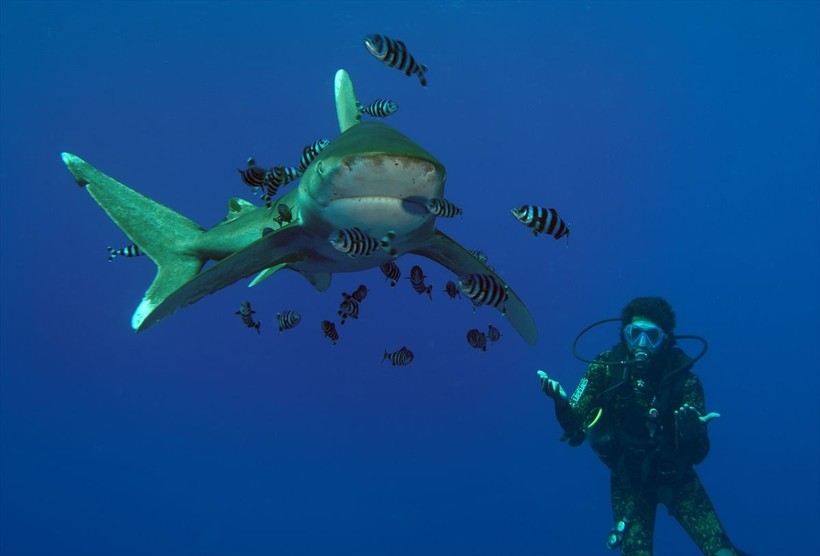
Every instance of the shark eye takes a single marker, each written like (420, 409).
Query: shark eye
(320, 168)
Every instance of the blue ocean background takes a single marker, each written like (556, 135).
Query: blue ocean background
(681, 141)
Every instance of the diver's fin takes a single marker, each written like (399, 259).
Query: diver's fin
(162, 234)
(271, 250)
(347, 107)
(450, 254)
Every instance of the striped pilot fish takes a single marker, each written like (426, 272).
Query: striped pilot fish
(246, 314)
(359, 294)
(493, 333)
(482, 258)
(329, 330)
(379, 108)
(442, 207)
(132, 250)
(275, 178)
(542, 220)
(484, 289)
(394, 54)
(477, 339)
(348, 308)
(480, 255)
(253, 175)
(417, 281)
(399, 358)
(355, 242)
(391, 272)
(288, 319)
(310, 152)
(451, 289)
(282, 175)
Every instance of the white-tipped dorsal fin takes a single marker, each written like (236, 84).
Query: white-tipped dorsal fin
(347, 107)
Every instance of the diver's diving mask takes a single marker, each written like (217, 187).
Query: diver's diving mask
(643, 334)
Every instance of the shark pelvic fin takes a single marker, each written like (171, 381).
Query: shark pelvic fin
(443, 250)
(347, 107)
(164, 235)
(265, 274)
(319, 280)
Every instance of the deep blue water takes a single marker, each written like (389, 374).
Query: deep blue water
(680, 140)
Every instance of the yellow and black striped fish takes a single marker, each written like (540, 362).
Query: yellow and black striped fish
(477, 339)
(442, 207)
(484, 289)
(391, 272)
(379, 108)
(329, 330)
(417, 281)
(355, 242)
(400, 357)
(394, 54)
(246, 314)
(310, 152)
(542, 220)
(132, 250)
(288, 319)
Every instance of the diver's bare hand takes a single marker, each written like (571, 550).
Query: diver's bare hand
(552, 388)
(690, 423)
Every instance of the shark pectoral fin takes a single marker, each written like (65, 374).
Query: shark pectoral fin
(443, 250)
(269, 251)
(319, 280)
(347, 107)
(265, 274)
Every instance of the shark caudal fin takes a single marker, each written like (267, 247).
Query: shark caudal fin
(165, 236)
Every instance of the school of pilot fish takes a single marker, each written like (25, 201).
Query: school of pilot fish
(480, 289)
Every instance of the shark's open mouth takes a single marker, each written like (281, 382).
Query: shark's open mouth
(379, 175)
(378, 192)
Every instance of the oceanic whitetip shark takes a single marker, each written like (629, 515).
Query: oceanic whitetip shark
(371, 177)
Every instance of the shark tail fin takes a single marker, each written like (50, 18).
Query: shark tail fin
(166, 236)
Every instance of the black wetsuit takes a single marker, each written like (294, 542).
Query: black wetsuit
(635, 435)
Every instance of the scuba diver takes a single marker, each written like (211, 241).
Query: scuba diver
(643, 412)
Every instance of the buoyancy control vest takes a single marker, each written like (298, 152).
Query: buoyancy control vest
(634, 434)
